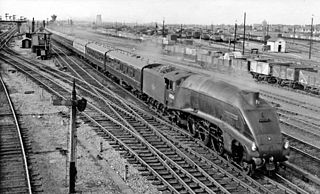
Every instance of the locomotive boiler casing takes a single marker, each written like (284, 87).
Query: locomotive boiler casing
(241, 115)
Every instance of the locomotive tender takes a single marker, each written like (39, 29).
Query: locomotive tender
(233, 121)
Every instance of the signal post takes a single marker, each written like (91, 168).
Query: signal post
(80, 105)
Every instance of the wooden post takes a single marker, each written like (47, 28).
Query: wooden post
(244, 32)
(73, 141)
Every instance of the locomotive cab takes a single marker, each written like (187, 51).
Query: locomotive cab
(173, 81)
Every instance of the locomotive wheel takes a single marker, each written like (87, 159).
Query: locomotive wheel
(217, 145)
(204, 136)
(192, 127)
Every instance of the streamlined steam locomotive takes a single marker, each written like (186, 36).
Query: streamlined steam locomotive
(233, 121)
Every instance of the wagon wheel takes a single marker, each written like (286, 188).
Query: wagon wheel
(192, 127)
(204, 136)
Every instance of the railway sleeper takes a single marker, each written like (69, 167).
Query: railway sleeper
(158, 143)
(137, 147)
(142, 151)
(162, 188)
(169, 153)
(155, 165)
(151, 177)
(145, 155)
(152, 160)
(164, 173)
(193, 185)
(132, 160)
(158, 167)
(156, 182)
(162, 148)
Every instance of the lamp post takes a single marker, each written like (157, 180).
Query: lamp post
(311, 33)
(235, 36)
(163, 28)
(244, 32)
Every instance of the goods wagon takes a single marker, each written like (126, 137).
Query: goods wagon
(239, 65)
(279, 71)
(287, 74)
(260, 69)
(310, 80)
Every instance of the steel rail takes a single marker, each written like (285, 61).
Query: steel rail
(20, 137)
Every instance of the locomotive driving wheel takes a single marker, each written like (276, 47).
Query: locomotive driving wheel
(192, 127)
(204, 135)
(217, 145)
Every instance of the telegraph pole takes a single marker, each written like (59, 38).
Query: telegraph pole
(311, 37)
(294, 32)
(235, 36)
(244, 32)
(163, 28)
(32, 27)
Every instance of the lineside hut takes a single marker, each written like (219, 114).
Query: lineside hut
(276, 45)
(26, 43)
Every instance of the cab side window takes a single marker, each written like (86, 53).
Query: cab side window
(170, 85)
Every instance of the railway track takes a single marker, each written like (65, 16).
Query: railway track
(179, 136)
(299, 103)
(171, 153)
(14, 167)
(290, 89)
(291, 101)
(307, 127)
(99, 120)
(306, 154)
(6, 36)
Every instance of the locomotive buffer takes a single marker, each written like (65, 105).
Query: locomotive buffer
(75, 104)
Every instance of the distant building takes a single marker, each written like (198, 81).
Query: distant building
(98, 20)
(26, 43)
(41, 44)
(276, 45)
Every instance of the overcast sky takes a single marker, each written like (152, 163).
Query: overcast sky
(174, 11)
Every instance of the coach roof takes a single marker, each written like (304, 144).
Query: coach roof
(128, 58)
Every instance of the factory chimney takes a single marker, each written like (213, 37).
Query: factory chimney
(32, 27)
